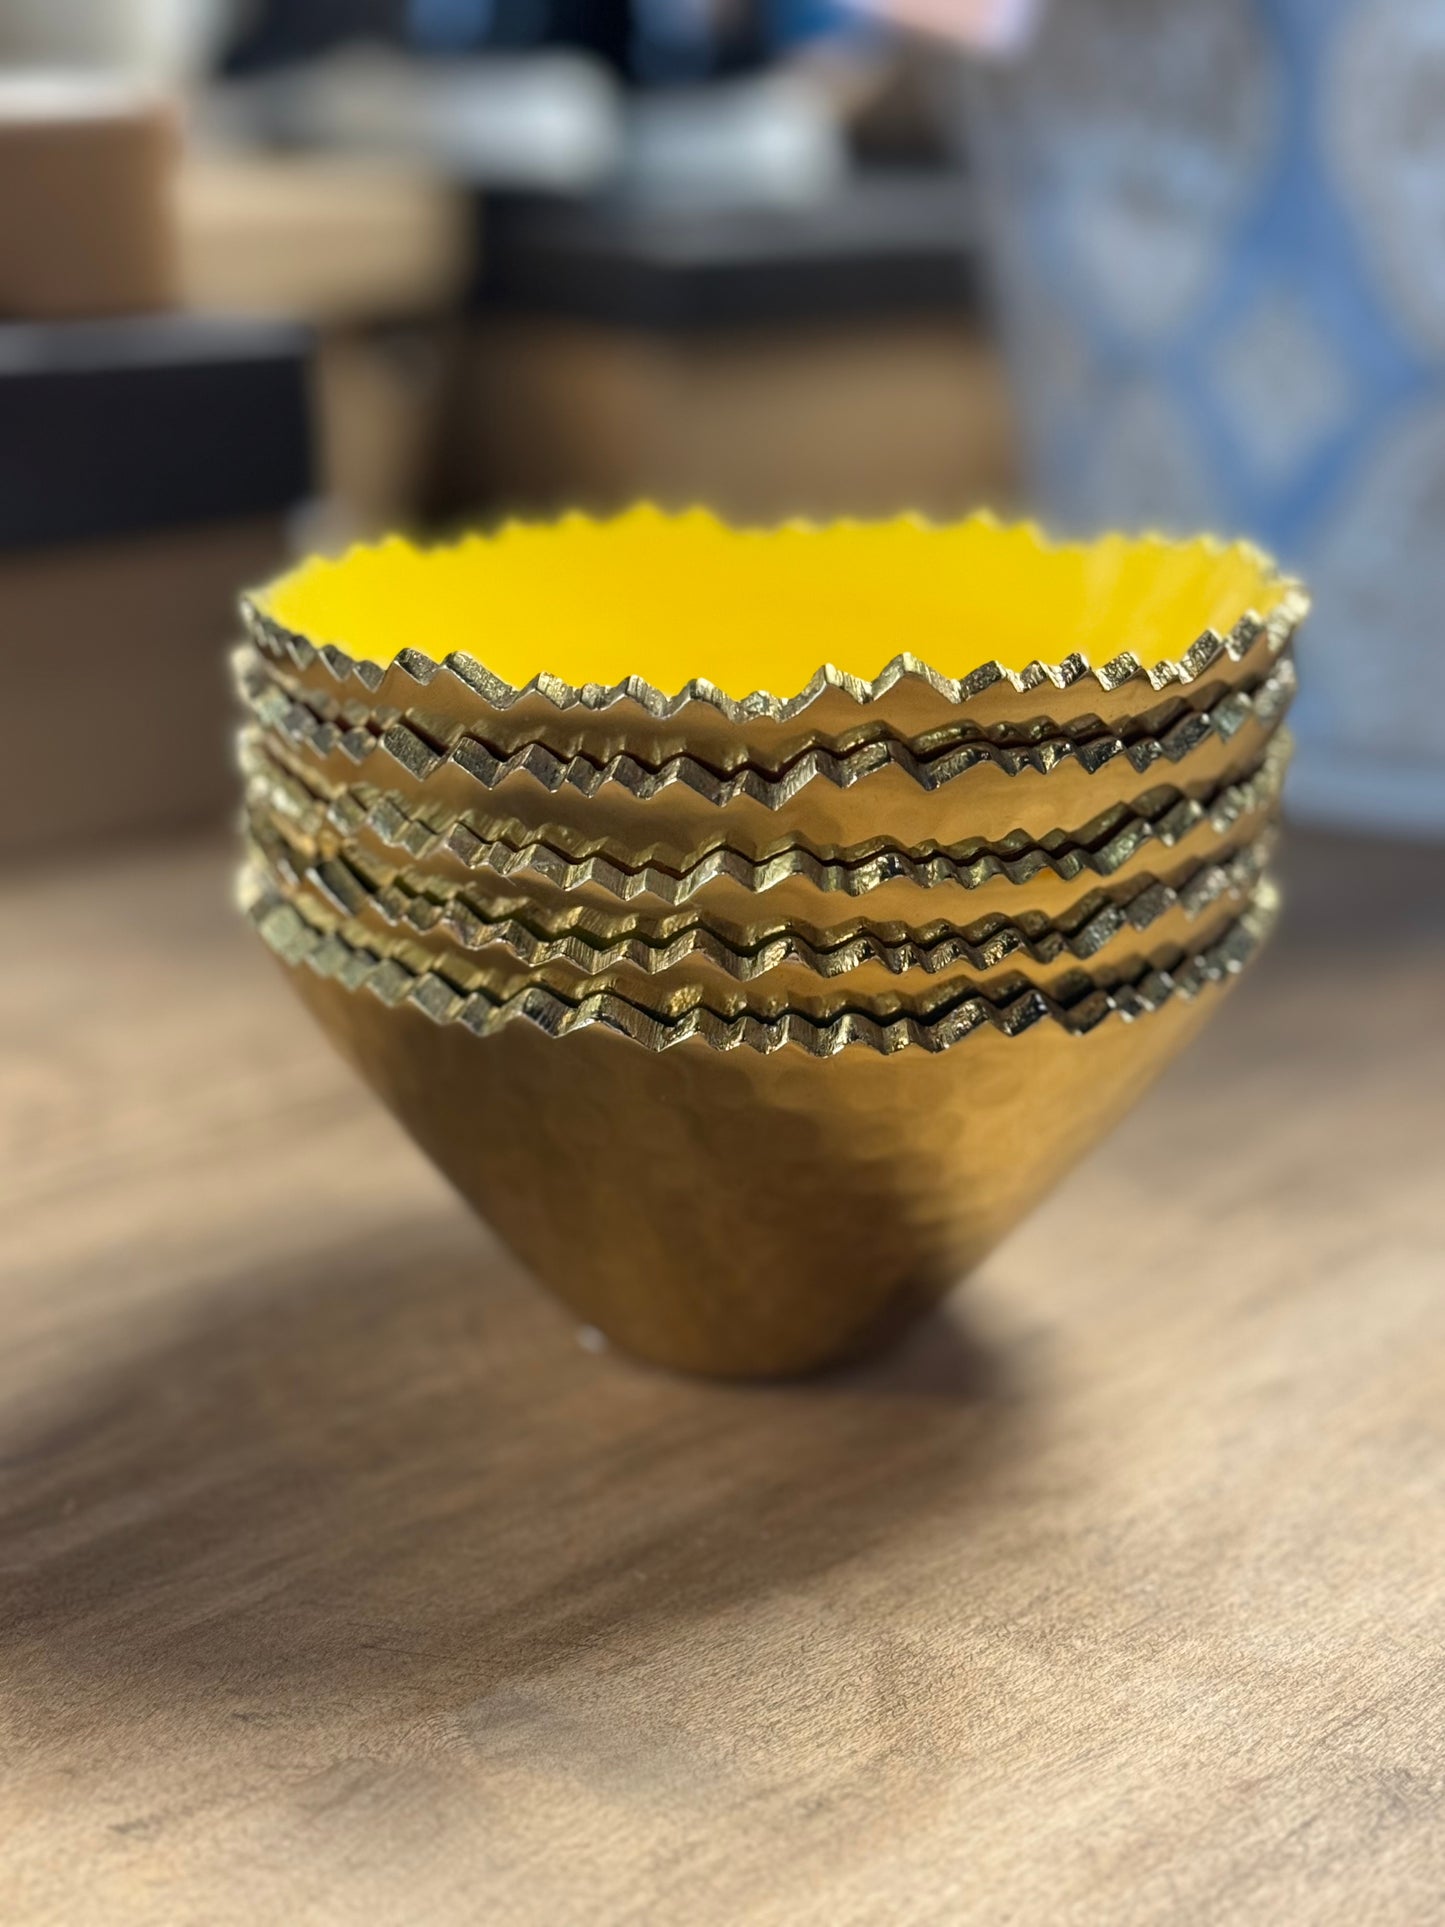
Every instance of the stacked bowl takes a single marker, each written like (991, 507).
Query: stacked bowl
(752, 1001)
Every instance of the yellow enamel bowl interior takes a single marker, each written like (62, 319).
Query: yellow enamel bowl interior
(673, 598)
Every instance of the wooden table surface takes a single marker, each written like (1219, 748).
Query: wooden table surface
(342, 1584)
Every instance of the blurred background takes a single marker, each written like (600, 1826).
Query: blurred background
(275, 274)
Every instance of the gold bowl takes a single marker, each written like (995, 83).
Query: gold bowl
(753, 925)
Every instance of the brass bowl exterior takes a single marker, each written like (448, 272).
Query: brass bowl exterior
(742, 1215)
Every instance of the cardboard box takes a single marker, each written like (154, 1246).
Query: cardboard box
(87, 217)
(818, 420)
(146, 473)
(825, 359)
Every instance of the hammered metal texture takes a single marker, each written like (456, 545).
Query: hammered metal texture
(735, 1207)
(907, 699)
(665, 816)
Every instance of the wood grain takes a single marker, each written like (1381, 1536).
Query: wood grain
(342, 1584)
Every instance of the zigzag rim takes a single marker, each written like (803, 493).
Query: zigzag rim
(452, 914)
(287, 933)
(1208, 648)
(853, 873)
(294, 720)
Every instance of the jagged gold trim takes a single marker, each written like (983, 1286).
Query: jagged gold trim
(593, 944)
(852, 872)
(300, 944)
(300, 726)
